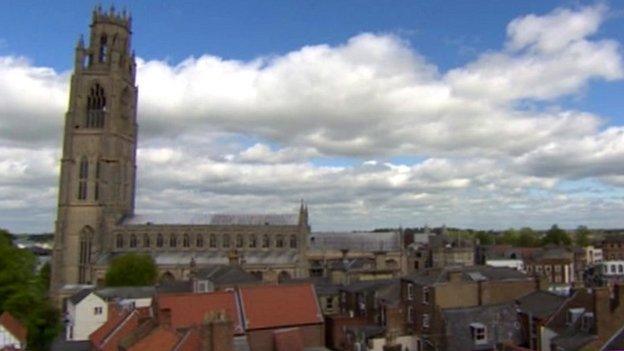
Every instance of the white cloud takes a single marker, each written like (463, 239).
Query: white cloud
(484, 161)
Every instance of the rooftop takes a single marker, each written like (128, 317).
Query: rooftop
(355, 241)
(215, 219)
(540, 304)
(15, 327)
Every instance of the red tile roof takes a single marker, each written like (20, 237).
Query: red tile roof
(190, 309)
(288, 340)
(274, 306)
(159, 339)
(15, 327)
(120, 323)
(190, 341)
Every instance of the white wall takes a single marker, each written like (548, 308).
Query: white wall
(407, 342)
(83, 319)
(7, 339)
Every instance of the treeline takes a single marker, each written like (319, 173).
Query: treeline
(24, 293)
(523, 237)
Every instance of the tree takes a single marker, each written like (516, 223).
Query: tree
(484, 238)
(556, 236)
(131, 270)
(24, 294)
(509, 237)
(581, 237)
(527, 237)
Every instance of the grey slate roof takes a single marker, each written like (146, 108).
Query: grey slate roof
(370, 285)
(215, 219)
(499, 320)
(322, 285)
(540, 304)
(470, 273)
(62, 345)
(226, 274)
(79, 296)
(616, 342)
(126, 292)
(573, 342)
(176, 258)
(355, 241)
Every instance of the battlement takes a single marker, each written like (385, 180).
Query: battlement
(122, 18)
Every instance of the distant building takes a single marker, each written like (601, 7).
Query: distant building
(613, 247)
(13, 334)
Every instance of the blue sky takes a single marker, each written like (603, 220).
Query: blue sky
(391, 119)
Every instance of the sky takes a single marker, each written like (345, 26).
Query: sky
(488, 115)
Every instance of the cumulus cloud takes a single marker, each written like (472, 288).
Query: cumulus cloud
(322, 123)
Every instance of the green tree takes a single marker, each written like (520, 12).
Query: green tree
(527, 237)
(557, 236)
(509, 237)
(581, 237)
(484, 238)
(24, 294)
(131, 270)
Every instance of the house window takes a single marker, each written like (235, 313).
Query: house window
(361, 298)
(620, 269)
(425, 321)
(97, 310)
(329, 303)
(557, 269)
(425, 295)
(410, 291)
(410, 314)
(479, 333)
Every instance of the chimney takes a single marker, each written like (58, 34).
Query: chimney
(217, 332)
(454, 276)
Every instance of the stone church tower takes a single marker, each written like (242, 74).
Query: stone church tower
(98, 167)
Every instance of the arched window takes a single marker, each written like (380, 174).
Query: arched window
(279, 241)
(213, 241)
(265, 241)
(293, 241)
(173, 241)
(96, 107)
(225, 240)
(120, 241)
(83, 175)
(186, 241)
(133, 241)
(159, 240)
(146, 241)
(103, 48)
(252, 240)
(239, 240)
(86, 238)
(199, 241)
(98, 173)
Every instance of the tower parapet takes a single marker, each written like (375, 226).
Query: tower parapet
(122, 18)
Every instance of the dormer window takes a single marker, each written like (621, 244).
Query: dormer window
(479, 333)
(573, 315)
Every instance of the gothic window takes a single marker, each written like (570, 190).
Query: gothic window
(213, 241)
(239, 240)
(146, 240)
(199, 241)
(96, 192)
(293, 241)
(186, 241)
(96, 107)
(159, 240)
(86, 238)
(252, 240)
(103, 48)
(83, 175)
(120, 241)
(265, 241)
(279, 241)
(225, 240)
(133, 241)
(173, 241)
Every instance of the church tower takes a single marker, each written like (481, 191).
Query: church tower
(98, 166)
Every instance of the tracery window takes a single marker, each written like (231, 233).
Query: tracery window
(252, 240)
(293, 241)
(146, 240)
(199, 241)
(103, 49)
(86, 237)
(225, 240)
(186, 241)
(173, 241)
(279, 241)
(159, 240)
(239, 240)
(120, 241)
(96, 107)
(213, 241)
(83, 175)
(133, 241)
(266, 242)
(98, 171)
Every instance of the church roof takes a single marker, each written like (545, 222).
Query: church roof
(215, 219)
(173, 258)
(355, 241)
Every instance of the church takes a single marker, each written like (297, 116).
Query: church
(96, 218)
